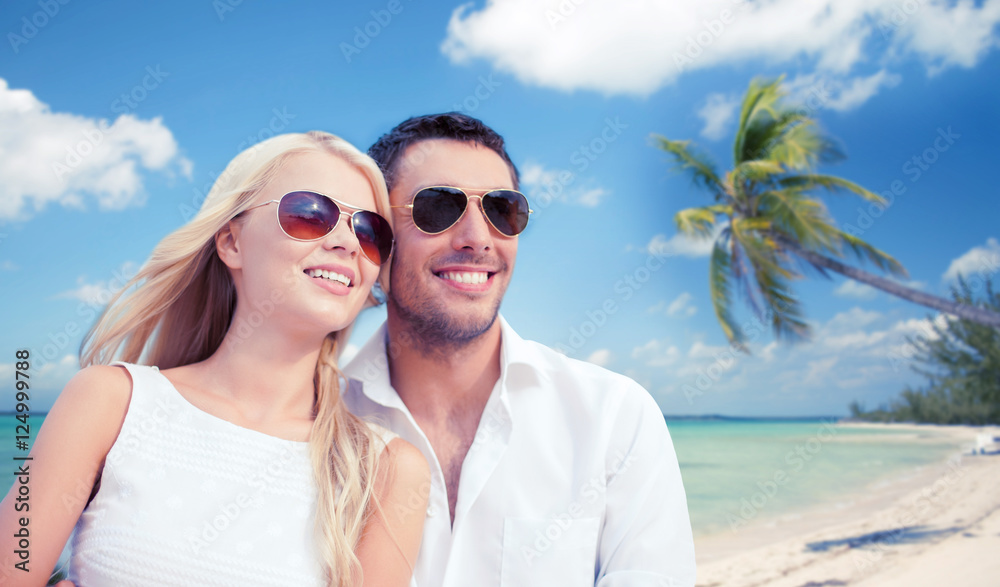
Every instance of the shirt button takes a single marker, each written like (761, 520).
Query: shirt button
(431, 511)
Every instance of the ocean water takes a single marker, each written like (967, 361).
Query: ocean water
(8, 449)
(749, 471)
(744, 470)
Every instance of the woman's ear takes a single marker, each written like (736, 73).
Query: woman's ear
(227, 245)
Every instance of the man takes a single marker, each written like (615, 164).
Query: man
(545, 470)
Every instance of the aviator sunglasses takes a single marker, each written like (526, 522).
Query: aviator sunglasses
(436, 209)
(309, 216)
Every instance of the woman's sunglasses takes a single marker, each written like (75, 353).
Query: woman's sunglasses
(436, 209)
(309, 216)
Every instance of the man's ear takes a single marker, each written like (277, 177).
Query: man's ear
(227, 245)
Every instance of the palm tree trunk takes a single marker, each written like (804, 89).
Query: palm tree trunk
(972, 313)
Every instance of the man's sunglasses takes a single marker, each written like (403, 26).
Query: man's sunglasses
(436, 209)
(309, 216)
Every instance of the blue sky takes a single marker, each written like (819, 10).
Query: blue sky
(117, 116)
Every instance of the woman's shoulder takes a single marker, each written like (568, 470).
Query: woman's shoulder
(107, 385)
(406, 461)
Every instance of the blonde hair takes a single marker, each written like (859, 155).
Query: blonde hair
(177, 309)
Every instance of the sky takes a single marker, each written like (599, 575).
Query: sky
(116, 117)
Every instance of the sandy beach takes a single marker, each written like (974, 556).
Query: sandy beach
(936, 525)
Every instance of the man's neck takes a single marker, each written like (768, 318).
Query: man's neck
(441, 386)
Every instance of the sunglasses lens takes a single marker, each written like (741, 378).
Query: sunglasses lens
(507, 210)
(436, 209)
(374, 235)
(307, 216)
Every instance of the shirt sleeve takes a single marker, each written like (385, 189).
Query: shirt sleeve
(646, 539)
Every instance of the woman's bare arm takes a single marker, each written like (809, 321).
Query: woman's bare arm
(66, 458)
(391, 540)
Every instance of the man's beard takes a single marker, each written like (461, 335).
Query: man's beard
(435, 330)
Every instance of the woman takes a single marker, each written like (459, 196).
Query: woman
(235, 461)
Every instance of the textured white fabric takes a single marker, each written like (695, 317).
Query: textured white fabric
(187, 498)
(571, 480)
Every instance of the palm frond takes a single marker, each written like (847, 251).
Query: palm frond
(802, 218)
(761, 99)
(758, 170)
(700, 222)
(832, 183)
(701, 168)
(718, 285)
(880, 259)
(771, 275)
(766, 132)
(798, 147)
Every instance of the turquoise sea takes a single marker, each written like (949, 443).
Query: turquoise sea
(748, 469)
(8, 449)
(752, 470)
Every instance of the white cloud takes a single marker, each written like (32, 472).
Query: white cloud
(947, 33)
(861, 88)
(682, 245)
(700, 350)
(818, 370)
(61, 158)
(47, 381)
(57, 374)
(99, 293)
(547, 185)
(836, 92)
(656, 353)
(717, 112)
(982, 260)
(681, 305)
(855, 289)
(638, 47)
(850, 321)
(600, 357)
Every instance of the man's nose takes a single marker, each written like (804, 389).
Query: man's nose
(473, 231)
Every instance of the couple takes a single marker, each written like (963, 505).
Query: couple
(450, 452)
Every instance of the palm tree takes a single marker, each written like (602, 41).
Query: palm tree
(766, 221)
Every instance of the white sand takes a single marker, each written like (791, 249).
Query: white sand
(939, 526)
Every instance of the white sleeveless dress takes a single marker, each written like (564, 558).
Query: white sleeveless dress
(187, 498)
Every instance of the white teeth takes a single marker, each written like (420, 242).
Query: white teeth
(331, 275)
(466, 277)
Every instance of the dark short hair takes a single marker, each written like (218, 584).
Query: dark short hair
(389, 148)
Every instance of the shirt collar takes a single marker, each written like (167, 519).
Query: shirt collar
(371, 368)
(518, 362)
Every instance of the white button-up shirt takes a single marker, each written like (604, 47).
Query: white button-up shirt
(571, 480)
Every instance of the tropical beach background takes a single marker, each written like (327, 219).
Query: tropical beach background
(687, 161)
